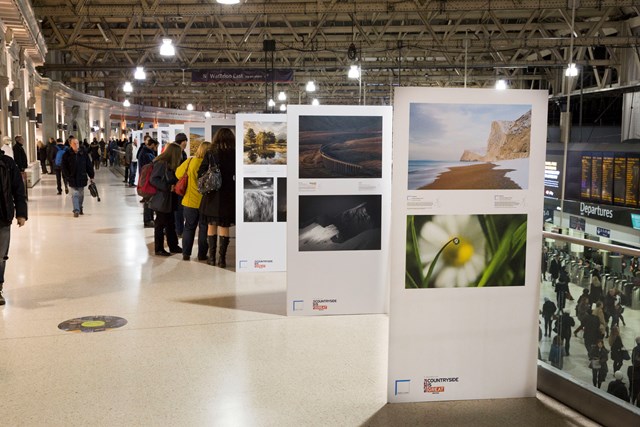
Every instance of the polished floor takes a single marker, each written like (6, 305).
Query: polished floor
(202, 347)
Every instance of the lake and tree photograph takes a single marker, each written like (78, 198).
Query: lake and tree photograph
(340, 223)
(469, 146)
(340, 147)
(465, 251)
(265, 143)
(258, 200)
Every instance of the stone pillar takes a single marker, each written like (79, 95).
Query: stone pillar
(4, 104)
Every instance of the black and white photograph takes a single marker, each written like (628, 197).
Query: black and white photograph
(282, 200)
(340, 223)
(258, 200)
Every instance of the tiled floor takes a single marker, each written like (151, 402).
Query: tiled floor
(203, 346)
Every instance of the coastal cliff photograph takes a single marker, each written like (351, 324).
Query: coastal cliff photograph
(469, 146)
(340, 147)
(340, 223)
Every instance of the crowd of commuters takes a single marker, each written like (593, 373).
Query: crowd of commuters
(598, 315)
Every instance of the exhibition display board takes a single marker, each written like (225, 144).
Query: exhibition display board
(338, 201)
(468, 182)
(198, 132)
(261, 192)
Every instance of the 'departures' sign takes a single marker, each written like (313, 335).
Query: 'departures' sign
(240, 75)
(468, 180)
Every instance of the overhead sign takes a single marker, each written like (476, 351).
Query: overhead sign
(604, 232)
(240, 75)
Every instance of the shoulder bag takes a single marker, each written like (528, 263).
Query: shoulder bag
(211, 180)
(181, 186)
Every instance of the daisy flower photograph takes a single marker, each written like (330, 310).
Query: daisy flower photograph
(463, 251)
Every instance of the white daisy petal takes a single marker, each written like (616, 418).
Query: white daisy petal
(447, 278)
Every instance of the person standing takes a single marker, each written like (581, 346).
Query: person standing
(6, 147)
(191, 203)
(42, 156)
(617, 348)
(133, 168)
(164, 202)
(146, 155)
(57, 167)
(20, 156)
(12, 203)
(617, 387)
(562, 288)
(565, 325)
(94, 152)
(554, 269)
(51, 154)
(598, 357)
(219, 207)
(128, 152)
(180, 139)
(548, 310)
(78, 169)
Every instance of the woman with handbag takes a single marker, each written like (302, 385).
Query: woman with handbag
(218, 207)
(598, 357)
(187, 175)
(164, 202)
(617, 348)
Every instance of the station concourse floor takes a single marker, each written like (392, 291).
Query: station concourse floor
(202, 347)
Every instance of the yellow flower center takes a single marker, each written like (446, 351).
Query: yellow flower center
(458, 255)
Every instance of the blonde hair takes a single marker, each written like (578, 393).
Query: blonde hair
(202, 150)
(172, 155)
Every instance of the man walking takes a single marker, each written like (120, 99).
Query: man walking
(78, 168)
(20, 157)
(57, 167)
(13, 202)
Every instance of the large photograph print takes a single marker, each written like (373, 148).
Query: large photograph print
(469, 146)
(340, 223)
(462, 251)
(265, 143)
(258, 200)
(340, 147)
(196, 138)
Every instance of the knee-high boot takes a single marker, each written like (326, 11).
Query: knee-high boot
(212, 240)
(222, 255)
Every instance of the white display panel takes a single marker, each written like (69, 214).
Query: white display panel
(338, 202)
(466, 239)
(261, 192)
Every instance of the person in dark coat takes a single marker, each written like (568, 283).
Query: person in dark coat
(565, 324)
(219, 207)
(548, 310)
(554, 269)
(52, 150)
(13, 202)
(562, 288)
(617, 387)
(598, 357)
(146, 154)
(19, 154)
(165, 201)
(591, 329)
(42, 156)
(94, 152)
(78, 170)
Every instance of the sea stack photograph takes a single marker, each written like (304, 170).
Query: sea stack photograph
(469, 146)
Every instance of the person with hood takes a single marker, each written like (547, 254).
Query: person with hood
(78, 169)
(548, 310)
(13, 203)
(617, 387)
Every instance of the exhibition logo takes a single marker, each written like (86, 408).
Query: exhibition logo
(435, 385)
(262, 263)
(321, 304)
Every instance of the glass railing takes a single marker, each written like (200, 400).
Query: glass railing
(590, 314)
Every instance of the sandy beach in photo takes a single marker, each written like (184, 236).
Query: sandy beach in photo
(483, 176)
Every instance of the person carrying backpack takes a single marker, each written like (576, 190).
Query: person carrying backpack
(12, 202)
(146, 154)
(57, 167)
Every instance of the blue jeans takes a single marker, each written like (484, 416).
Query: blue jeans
(133, 168)
(77, 197)
(5, 237)
(192, 219)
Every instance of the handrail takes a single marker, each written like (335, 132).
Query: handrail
(592, 244)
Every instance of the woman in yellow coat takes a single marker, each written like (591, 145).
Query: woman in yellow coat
(191, 203)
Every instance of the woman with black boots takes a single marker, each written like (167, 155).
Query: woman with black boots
(219, 207)
(165, 201)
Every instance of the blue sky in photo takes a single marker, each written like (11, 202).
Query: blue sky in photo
(445, 131)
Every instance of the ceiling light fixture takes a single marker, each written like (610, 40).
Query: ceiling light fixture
(315, 101)
(140, 74)
(207, 114)
(354, 72)
(283, 107)
(282, 96)
(311, 86)
(501, 84)
(126, 103)
(271, 103)
(228, 1)
(190, 107)
(127, 88)
(167, 48)
(571, 71)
